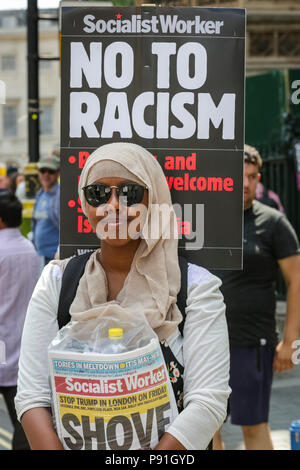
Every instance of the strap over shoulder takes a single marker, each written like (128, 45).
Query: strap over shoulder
(70, 281)
(74, 271)
(182, 295)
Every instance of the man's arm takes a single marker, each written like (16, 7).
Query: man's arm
(290, 268)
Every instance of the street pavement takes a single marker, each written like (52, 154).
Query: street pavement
(5, 427)
(284, 408)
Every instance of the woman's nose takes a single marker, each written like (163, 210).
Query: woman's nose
(114, 199)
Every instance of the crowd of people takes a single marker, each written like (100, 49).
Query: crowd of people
(21, 262)
(229, 348)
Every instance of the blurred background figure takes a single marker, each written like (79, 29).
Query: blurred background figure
(16, 182)
(11, 170)
(3, 177)
(3, 181)
(20, 186)
(19, 272)
(262, 194)
(12, 186)
(45, 220)
(268, 197)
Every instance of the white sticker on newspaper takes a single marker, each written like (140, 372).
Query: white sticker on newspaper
(111, 402)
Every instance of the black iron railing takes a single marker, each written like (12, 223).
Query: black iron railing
(279, 174)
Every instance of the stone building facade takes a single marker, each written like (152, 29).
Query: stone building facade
(273, 31)
(13, 77)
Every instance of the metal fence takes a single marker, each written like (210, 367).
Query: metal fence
(279, 174)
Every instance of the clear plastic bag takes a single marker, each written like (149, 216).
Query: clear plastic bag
(107, 394)
(91, 336)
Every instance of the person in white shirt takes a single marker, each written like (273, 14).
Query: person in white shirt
(121, 181)
(19, 272)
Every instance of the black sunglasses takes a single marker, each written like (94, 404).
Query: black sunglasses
(47, 170)
(128, 193)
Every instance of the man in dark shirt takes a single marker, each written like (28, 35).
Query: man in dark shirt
(269, 241)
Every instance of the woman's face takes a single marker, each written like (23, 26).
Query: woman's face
(115, 223)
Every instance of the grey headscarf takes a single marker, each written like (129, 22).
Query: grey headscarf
(154, 278)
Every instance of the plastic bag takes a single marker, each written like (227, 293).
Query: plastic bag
(108, 394)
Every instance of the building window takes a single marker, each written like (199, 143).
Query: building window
(289, 44)
(8, 63)
(262, 44)
(45, 64)
(9, 22)
(46, 119)
(274, 43)
(10, 128)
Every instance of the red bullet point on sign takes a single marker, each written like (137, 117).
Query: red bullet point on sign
(72, 159)
(71, 203)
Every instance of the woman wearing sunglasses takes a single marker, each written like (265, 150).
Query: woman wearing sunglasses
(121, 187)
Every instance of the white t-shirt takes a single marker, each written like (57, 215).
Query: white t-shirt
(203, 351)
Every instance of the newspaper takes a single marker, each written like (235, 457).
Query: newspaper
(111, 402)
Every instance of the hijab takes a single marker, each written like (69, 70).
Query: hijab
(153, 281)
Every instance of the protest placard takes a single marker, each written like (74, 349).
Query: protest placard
(170, 79)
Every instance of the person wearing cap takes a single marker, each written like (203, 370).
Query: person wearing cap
(11, 170)
(255, 350)
(45, 220)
